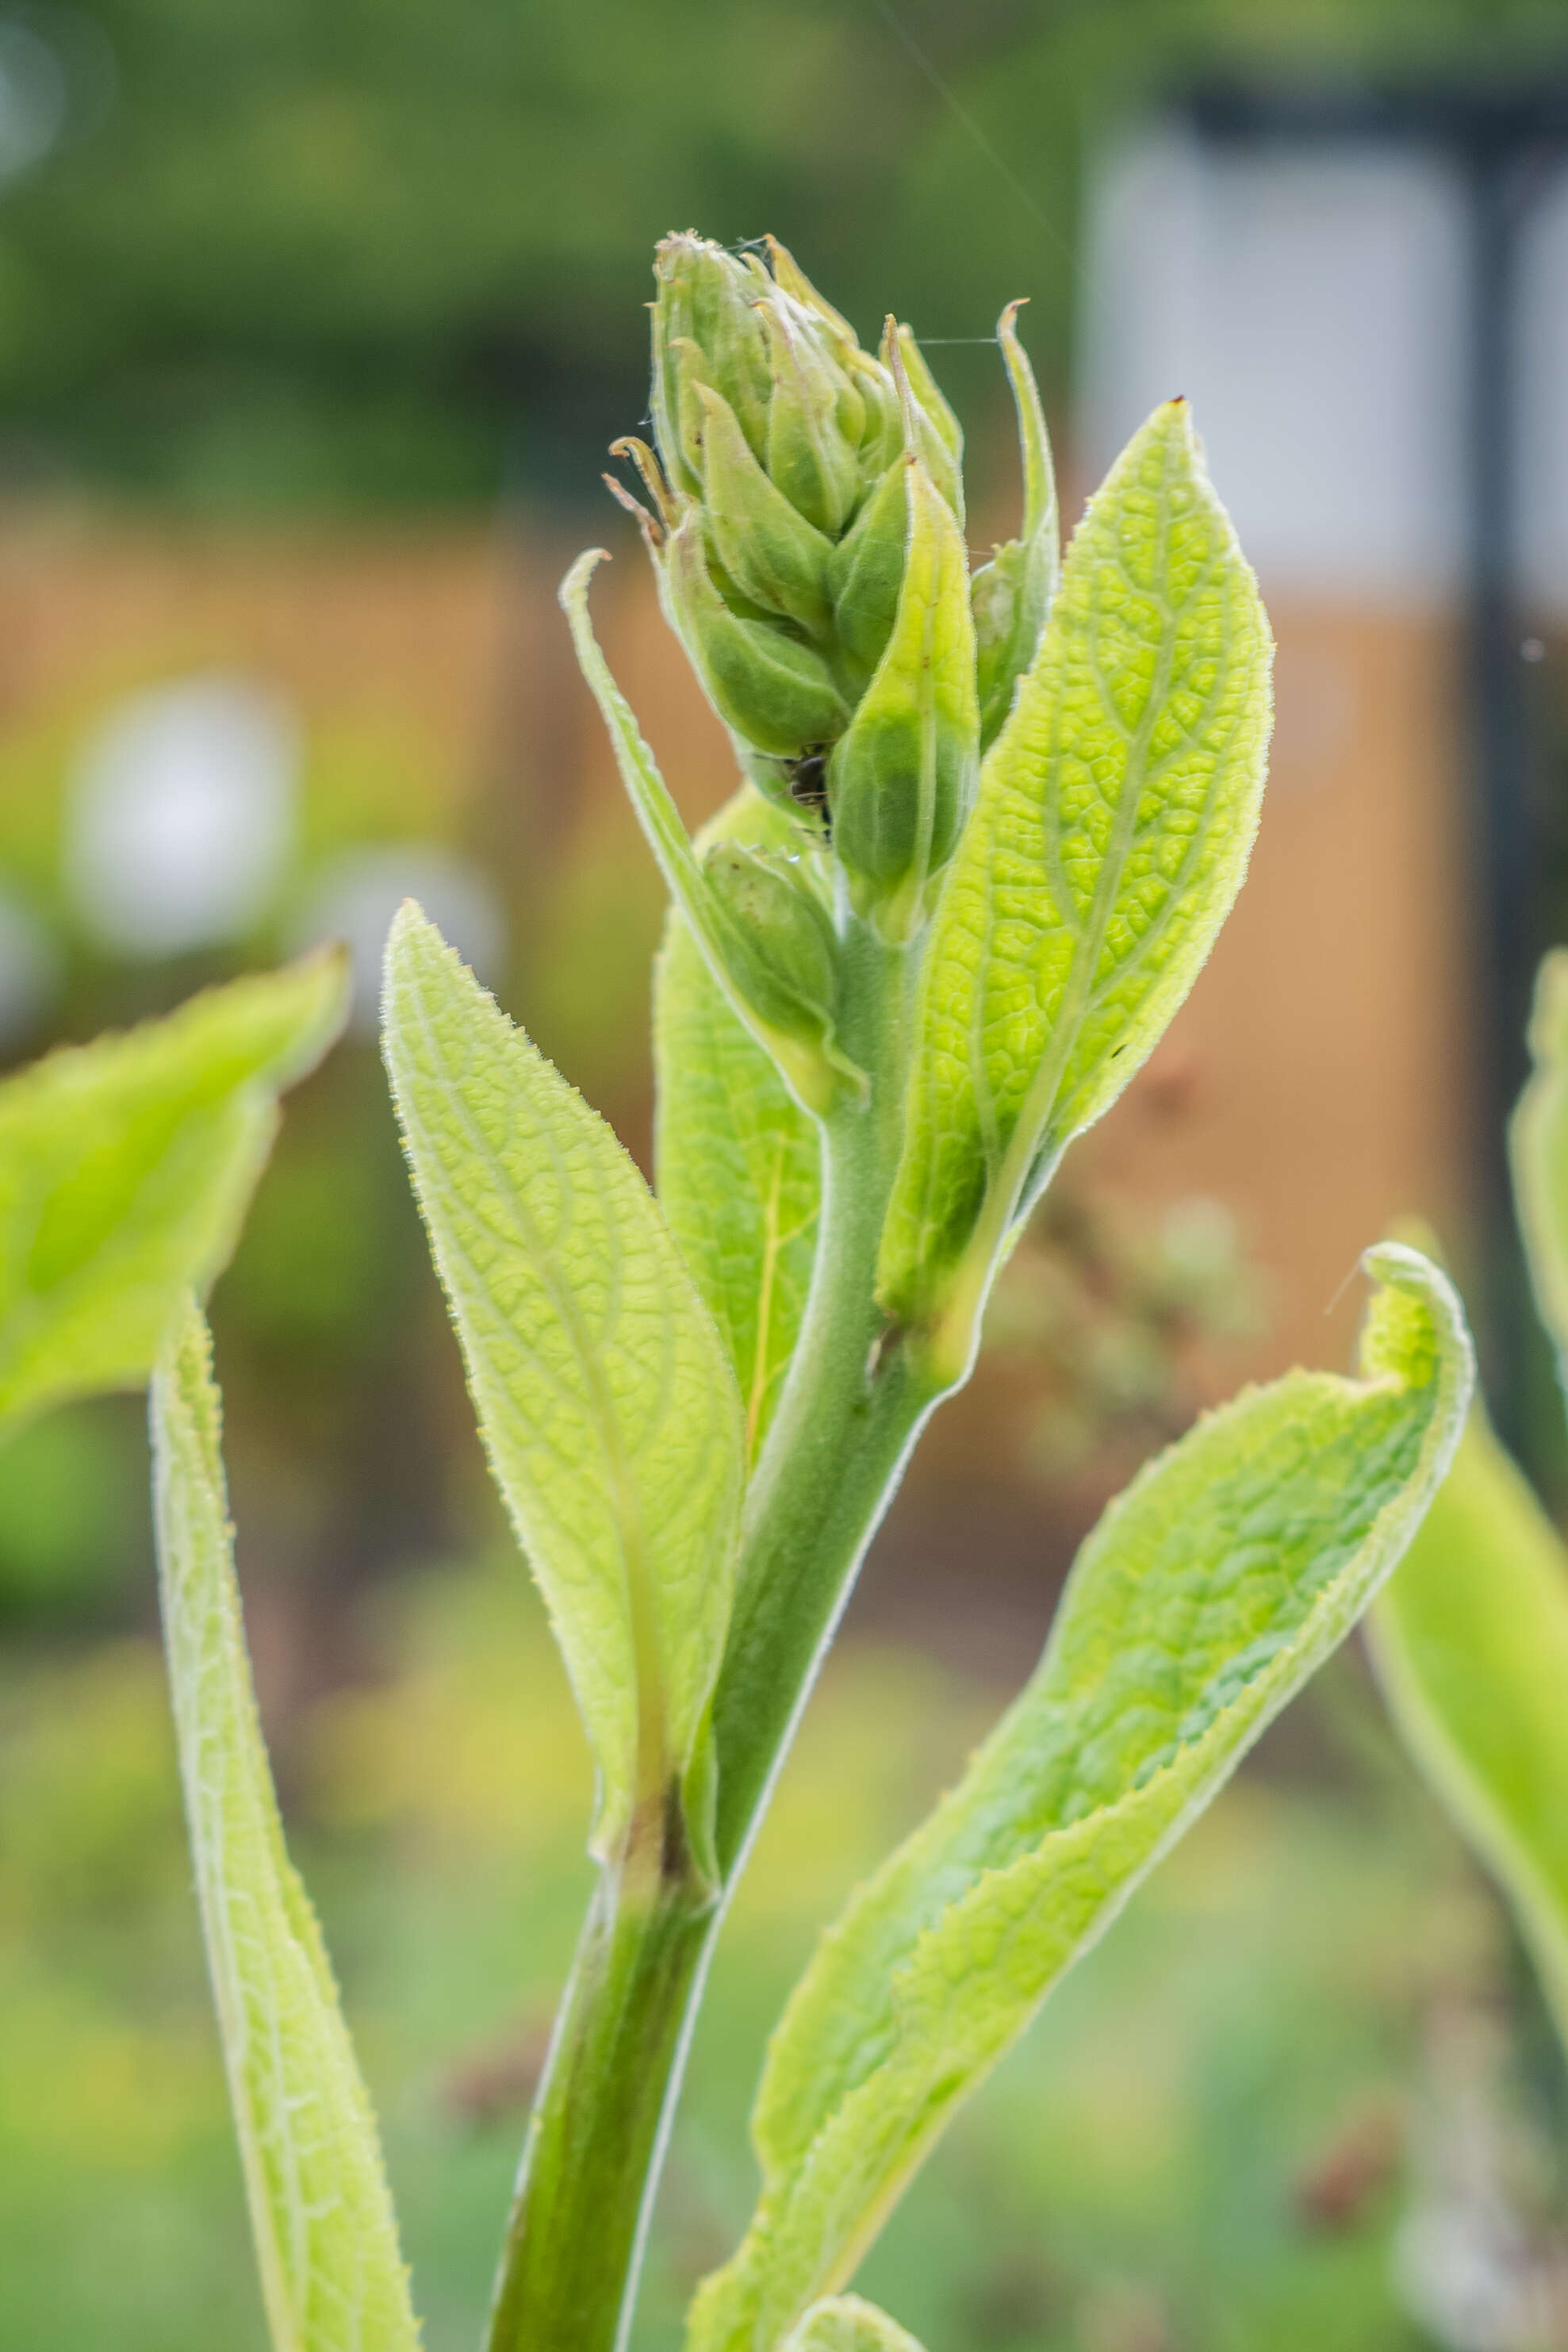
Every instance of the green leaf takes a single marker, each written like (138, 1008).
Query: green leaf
(126, 1167)
(1011, 594)
(846, 2324)
(608, 1408)
(1470, 1641)
(738, 1161)
(326, 2239)
(1537, 1151)
(1109, 835)
(1204, 1598)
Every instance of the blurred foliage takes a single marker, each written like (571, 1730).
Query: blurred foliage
(332, 1343)
(1102, 1312)
(379, 251)
(1200, 2146)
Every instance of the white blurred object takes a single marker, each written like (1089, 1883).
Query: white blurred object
(31, 966)
(1312, 306)
(181, 816)
(34, 96)
(359, 893)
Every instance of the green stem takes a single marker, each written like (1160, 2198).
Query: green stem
(574, 2233)
(850, 1411)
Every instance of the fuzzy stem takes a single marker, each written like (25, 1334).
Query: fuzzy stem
(851, 1407)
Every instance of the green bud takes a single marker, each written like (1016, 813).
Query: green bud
(815, 420)
(901, 782)
(780, 520)
(705, 322)
(772, 553)
(882, 438)
(776, 693)
(1011, 594)
(789, 274)
(781, 950)
(867, 570)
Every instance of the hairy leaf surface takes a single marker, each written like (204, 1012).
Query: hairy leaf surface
(126, 1167)
(325, 2240)
(1537, 1151)
(847, 2323)
(1109, 835)
(737, 1161)
(607, 1405)
(1471, 1640)
(1204, 1598)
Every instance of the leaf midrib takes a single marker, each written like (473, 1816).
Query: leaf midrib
(652, 1760)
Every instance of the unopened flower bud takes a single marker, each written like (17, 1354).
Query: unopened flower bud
(782, 520)
(775, 557)
(783, 955)
(705, 323)
(867, 570)
(815, 419)
(901, 781)
(774, 691)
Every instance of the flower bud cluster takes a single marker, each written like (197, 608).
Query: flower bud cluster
(808, 529)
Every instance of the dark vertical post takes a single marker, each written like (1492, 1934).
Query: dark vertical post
(1497, 728)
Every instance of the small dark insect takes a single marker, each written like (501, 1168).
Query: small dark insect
(808, 781)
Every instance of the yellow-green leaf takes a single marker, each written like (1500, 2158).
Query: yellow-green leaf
(126, 1167)
(607, 1405)
(1538, 1150)
(847, 2323)
(1206, 1595)
(737, 1161)
(1109, 835)
(1470, 1641)
(325, 2240)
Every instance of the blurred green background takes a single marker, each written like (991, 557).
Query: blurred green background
(315, 320)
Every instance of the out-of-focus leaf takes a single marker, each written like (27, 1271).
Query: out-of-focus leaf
(326, 2237)
(1114, 816)
(606, 1403)
(1538, 1151)
(847, 2323)
(125, 1166)
(737, 1161)
(1471, 1640)
(1202, 1602)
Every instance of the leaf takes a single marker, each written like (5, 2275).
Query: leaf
(1537, 1151)
(607, 1410)
(326, 2237)
(1201, 1603)
(737, 1161)
(1109, 835)
(125, 1166)
(1470, 1642)
(1011, 594)
(846, 2324)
